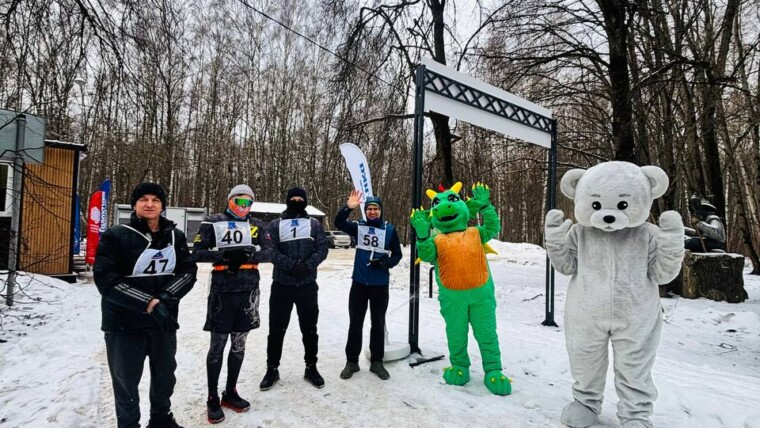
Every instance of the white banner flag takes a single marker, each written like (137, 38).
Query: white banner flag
(359, 170)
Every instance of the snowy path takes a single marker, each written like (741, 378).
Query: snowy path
(53, 372)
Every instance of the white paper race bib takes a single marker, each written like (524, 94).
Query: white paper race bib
(371, 238)
(292, 229)
(232, 234)
(155, 262)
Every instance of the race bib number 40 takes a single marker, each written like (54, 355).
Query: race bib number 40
(232, 234)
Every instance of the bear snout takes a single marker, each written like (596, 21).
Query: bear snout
(609, 220)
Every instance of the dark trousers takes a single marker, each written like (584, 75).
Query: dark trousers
(281, 303)
(126, 353)
(695, 245)
(377, 297)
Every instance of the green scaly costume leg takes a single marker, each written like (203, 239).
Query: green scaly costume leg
(459, 309)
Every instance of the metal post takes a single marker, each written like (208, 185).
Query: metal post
(430, 282)
(414, 271)
(551, 203)
(18, 170)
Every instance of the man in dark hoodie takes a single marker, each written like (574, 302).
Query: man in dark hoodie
(299, 245)
(377, 250)
(142, 269)
(235, 242)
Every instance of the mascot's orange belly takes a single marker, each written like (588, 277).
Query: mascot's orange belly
(461, 260)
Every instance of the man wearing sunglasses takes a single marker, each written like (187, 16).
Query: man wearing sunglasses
(235, 243)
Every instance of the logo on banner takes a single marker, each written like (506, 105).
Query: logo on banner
(365, 180)
(157, 256)
(358, 168)
(294, 222)
(95, 215)
(371, 231)
(231, 225)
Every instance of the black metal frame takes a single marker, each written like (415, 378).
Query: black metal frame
(428, 80)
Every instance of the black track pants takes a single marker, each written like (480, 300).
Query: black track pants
(126, 353)
(281, 302)
(358, 299)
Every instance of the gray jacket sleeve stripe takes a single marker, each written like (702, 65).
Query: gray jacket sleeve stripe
(181, 283)
(133, 292)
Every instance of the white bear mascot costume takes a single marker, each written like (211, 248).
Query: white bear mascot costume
(616, 260)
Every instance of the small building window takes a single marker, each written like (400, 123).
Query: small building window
(6, 187)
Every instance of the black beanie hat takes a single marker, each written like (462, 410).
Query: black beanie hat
(373, 200)
(147, 188)
(296, 191)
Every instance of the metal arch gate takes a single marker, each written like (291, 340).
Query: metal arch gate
(477, 103)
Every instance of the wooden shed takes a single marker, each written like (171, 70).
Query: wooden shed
(48, 211)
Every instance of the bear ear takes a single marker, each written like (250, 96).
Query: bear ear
(570, 182)
(657, 179)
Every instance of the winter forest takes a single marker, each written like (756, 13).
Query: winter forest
(202, 95)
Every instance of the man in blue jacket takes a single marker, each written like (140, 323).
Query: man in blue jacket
(377, 250)
(299, 245)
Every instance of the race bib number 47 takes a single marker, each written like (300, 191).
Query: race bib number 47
(155, 262)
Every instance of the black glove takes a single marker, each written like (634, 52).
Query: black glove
(300, 271)
(166, 298)
(381, 263)
(164, 318)
(236, 257)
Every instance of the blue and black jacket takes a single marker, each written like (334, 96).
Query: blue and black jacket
(364, 272)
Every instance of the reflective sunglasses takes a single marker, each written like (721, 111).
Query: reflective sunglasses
(242, 202)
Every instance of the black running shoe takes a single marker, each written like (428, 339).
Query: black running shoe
(349, 370)
(377, 368)
(270, 378)
(312, 375)
(215, 413)
(164, 421)
(233, 401)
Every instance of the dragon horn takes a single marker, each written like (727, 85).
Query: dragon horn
(431, 193)
(456, 187)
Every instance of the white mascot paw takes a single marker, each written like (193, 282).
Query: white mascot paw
(556, 226)
(671, 233)
(670, 223)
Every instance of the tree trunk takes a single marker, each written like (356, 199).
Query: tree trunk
(713, 276)
(616, 26)
(441, 127)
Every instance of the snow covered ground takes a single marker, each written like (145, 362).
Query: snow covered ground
(53, 368)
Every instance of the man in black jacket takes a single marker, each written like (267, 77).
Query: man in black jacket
(299, 245)
(142, 270)
(235, 243)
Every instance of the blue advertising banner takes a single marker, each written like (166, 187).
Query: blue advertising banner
(77, 230)
(106, 189)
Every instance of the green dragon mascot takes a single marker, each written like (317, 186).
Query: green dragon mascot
(465, 285)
